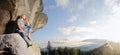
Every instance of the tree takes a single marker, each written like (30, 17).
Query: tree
(80, 52)
(66, 51)
(54, 52)
(74, 52)
(49, 47)
(60, 51)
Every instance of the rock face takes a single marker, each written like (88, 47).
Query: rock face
(10, 10)
(14, 44)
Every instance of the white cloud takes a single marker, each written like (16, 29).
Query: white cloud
(82, 4)
(73, 18)
(110, 30)
(93, 22)
(77, 37)
(71, 44)
(116, 10)
(108, 27)
(62, 3)
(68, 44)
(114, 6)
(93, 10)
(110, 2)
(75, 29)
(72, 5)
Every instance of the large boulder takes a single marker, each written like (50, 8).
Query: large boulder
(14, 44)
(10, 10)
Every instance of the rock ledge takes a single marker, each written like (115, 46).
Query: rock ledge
(14, 44)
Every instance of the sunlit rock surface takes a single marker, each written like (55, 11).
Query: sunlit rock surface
(14, 44)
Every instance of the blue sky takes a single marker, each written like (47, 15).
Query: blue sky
(76, 20)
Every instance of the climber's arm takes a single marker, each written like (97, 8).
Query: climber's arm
(20, 28)
(27, 22)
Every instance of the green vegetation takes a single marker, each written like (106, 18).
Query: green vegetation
(63, 51)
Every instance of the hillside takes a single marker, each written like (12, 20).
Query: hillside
(110, 48)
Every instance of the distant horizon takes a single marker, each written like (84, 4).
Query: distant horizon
(73, 43)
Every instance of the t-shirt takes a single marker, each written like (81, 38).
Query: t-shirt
(21, 22)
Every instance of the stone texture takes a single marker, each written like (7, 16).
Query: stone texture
(14, 44)
(10, 10)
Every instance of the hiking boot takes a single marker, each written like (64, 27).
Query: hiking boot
(29, 43)
(28, 36)
(30, 39)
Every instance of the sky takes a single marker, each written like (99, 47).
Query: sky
(76, 20)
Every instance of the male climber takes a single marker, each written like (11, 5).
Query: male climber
(24, 29)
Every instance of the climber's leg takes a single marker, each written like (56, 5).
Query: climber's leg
(24, 37)
(28, 29)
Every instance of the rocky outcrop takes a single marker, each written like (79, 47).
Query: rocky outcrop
(110, 48)
(14, 44)
(10, 10)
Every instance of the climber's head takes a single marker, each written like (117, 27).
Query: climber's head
(23, 17)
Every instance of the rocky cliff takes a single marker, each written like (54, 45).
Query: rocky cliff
(10, 10)
(14, 44)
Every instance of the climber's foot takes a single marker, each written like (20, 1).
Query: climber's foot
(29, 43)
